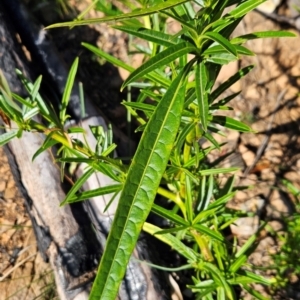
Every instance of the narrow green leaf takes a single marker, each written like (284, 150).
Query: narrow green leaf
(112, 199)
(160, 60)
(141, 128)
(250, 241)
(23, 101)
(207, 231)
(150, 35)
(143, 50)
(224, 101)
(77, 160)
(107, 170)
(244, 51)
(190, 97)
(221, 294)
(221, 279)
(217, 171)
(218, 55)
(182, 13)
(189, 10)
(109, 150)
(181, 139)
(48, 143)
(31, 113)
(28, 112)
(11, 110)
(140, 106)
(34, 89)
(188, 199)
(256, 295)
(68, 90)
(218, 50)
(168, 215)
(187, 27)
(212, 208)
(95, 193)
(216, 37)
(228, 186)
(291, 187)
(244, 252)
(233, 79)
(148, 93)
(8, 102)
(201, 198)
(118, 63)
(241, 280)
(142, 181)
(237, 263)
(231, 26)
(228, 222)
(4, 84)
(137, 13)
(231, 123)
(223, 58)
(172, 241)
(244, 8)
(200, 156)
(253, 277)
(210, 138)
(205, 283)
(78, 184)
(76, 130)
(209, 190)
(261, 35)
(201, 93)
(220, 24)
(172, 230)
(7, 136)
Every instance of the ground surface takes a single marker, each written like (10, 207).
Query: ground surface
(23, 273)
(270, 102)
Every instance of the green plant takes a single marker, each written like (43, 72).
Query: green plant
(286, 262)
(178, 75)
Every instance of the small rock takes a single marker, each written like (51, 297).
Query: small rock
(274, 155)
(252, 92)
(9, 193)
(254, 205)
(252, 139)
(269, 6)
(280, 140)
(2, 186)
(10, 183)
(249, 180)
(240, 196)
(247, 155)
(245, 226)
(276, 225)
(279, 205)
(295, 113)
(268, 175)
(249, 225)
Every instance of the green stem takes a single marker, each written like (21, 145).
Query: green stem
(174, 197)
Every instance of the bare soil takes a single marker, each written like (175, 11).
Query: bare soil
(23, 273)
